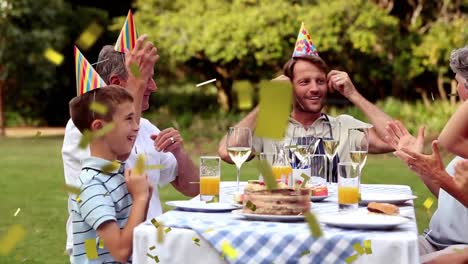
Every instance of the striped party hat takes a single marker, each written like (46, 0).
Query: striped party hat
(87, 79)
(128, 36)
(304, 45)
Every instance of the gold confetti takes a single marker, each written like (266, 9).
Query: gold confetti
(53, 56)
(155, 167)
(14, 235)
(209, 230)
(160, 233)
(153, 247)
(305, 178)
(196, 241)
(139, 168)
(275, 104)
(85, 139)
(351, 258)
(155, 222)
(89, 36)
(111, 167)
(78, 199)
(357, 246)
(265, 169)
(314, 225)
(155, 257)
(72, 189)
(90, 247)
(305, 252)
(98, 108)
(101, 243)
(251, 206)
(135, 70)
(167, 230)
(428, 203)
(367, 246)
(228, 250)
(17, 212)
(104, 130)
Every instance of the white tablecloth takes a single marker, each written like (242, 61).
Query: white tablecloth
(396, 246)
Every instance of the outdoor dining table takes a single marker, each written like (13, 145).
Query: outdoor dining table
(274, 242)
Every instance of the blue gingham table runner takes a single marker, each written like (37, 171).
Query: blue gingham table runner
(274, 242)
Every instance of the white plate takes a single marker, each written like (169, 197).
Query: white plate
(318, 198)
(385, 198)
(199, 206)
(362, 220)
(275, 218)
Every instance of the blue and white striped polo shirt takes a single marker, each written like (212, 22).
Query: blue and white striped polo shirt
(104, 197)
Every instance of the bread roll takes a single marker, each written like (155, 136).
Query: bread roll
(383, 208)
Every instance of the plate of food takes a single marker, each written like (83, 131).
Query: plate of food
(200, 206)
(265, 217)
(318, 193)
(379, 216)
(385, 198)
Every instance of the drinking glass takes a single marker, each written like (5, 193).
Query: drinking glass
(348, 185)
(210, 174)
(358, 145)
(331, 141)
(239, 147)
(303, 143)
(318, 169)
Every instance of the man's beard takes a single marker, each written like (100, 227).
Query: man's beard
(301, 108)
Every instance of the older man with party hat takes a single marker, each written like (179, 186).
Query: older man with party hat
(308, 73)
(130, 64)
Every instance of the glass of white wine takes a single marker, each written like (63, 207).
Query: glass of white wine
(304, 143)
(239, 147)
(358, 145)
(331, 141)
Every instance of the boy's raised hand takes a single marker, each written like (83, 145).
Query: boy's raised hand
(137, 185)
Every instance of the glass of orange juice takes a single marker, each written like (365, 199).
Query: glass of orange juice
(348, 185)
(210, 174)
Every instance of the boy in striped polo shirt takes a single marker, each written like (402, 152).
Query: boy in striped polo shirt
(111, 202)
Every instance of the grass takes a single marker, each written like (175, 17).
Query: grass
(32, 179)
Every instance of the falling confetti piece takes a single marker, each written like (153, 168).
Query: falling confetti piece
(17, 211)
(104, 130)
(98, 108)
(139, 168)
(306, 179)
(85, 139)
(367, 246)
(101, 243)
(251, 206)
(155, 222)
(14, 235)
(53, 56)
(209, 230)
(207, 82)
(111, 167)
(351, 258)
(89, 36)
(78, 199)
(314, 226)
(72, 189)
(90, 247)
(265, 170)
(228, 250)
(153, 247)
(156, 258)
(428, 203)
(167, 230)
(196, 241)
(135, 70)
(155, 167)
(359, 249)
(160, 233)
(305, 252)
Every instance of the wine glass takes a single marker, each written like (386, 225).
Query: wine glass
(304, 143)
(331, 141)
(358, 145)
(239, 147)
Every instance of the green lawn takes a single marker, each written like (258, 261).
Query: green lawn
(31, 178)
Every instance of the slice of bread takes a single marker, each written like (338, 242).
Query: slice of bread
(383, 208)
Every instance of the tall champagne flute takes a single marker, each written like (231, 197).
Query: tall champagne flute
(358, 145)
(331, 141)
(239, 147)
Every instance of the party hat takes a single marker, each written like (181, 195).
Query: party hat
(87, 79)
(304, 45)
(128, 36)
